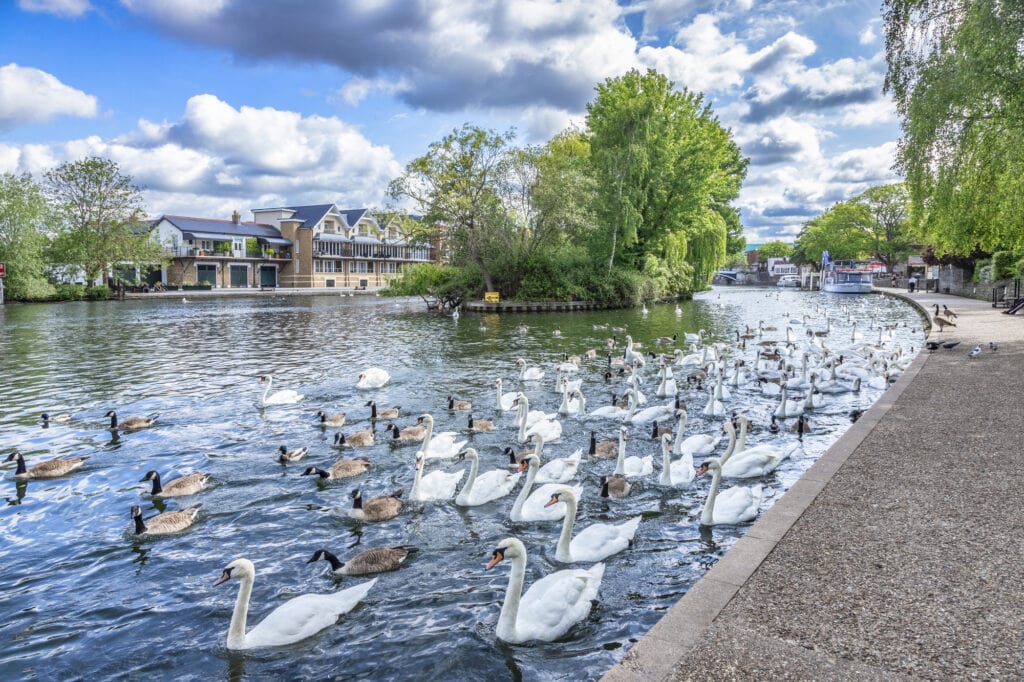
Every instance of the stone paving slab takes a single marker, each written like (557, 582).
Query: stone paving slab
(900, 556)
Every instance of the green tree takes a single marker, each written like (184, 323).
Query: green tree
(886, 222)
(839, 230)
(99, 215)
(774, 249)
(23, 240)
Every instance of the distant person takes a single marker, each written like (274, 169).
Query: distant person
(911, 283)
(895, 281)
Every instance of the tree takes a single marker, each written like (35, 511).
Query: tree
(774, 249)
(99, 216)
(23, 242)
(886, 221)
(839, 230)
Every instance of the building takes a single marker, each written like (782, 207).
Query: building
(289, 246)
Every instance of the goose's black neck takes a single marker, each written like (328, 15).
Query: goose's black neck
(593, 443)
(335, 563)
(357, 502)
(321, 473)
(157, 487)
(113, 421)
(21, 465)
(140, 527)
(373, 410)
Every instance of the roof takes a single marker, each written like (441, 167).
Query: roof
(219, 227)
(353, 215)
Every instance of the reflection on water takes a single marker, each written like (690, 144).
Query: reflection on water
(75, 582)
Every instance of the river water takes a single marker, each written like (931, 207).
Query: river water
(80, 597)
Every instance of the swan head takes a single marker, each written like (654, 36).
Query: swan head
(509, 548)
(238, 568)
(666, 441)
(150, 475)
(264, 379)
(520, 362)
(420, 460)
(361, 377)
(468, 453)
(425, 418)
(561, 495)
(528, 461)
(712, 463)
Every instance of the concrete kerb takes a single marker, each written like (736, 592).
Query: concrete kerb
(657, 652)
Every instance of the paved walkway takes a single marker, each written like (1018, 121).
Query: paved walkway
(899, 554)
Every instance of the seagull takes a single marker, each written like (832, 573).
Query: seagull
(975, 353)
(949, 345)
(947, 312)
(992, 346)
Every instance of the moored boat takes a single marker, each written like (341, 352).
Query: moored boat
(845, 276)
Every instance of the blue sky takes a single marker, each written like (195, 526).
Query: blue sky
(217, 105)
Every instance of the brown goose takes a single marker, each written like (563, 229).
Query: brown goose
(373, 560)
(358, 439)
(343, 468)
(454, 404)
(131, 423)
(380, 508)
(50, 468)
(185, 485)
(478, 425)
(285, 455)
(163, 524)
(55, 419)
(614, 486)
(386, 413)
(604, 449)
(942, 322)
(331, 420)
(410, 434)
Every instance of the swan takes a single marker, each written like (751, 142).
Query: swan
(679, 472)
(166, 523)
(697, 338)
(292, 621)
(437, 485)
(754, 461)
(343, 468)
(714, 407)
(679, 311)
(557, 470)
(373, 560)
(51, 468)
(486, 487)
(441, 445)
(189, 484)
(699, 444)
(667, 386)
(505, 401)
(631, 467)
(131, 423)
(551, 606)
(285, 397)
(529, 373)
(569, 406)
(549, 429)
(649, 414)
(595, 542)
(531, 416)
(373, 377)
(612, 411)
(533, 507)
(789, 408)
(740, 506)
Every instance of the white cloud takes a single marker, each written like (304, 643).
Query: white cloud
(62, 8)
(29, 95)
(357, 89)
(870, 33)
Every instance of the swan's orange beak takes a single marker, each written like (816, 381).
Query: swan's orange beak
(498, 556)
(554, 500)
(224, 577)
(524, 465)
(702, 470)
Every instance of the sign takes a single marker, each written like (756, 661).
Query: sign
(492, 296)
(3, 269)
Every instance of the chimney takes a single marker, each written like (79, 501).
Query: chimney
(236, 217)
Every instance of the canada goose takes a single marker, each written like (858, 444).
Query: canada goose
(590, 354)
(184, 485)
(942, 322)
(774, 426)
(614, 486)
(51, 468)
(514, 458)
(603, 449)
(373, 560)
(286, 455)
(358, 439)
(343, 468)
(666, 339)
(659, 431)
(410, 434)
(331, 420)
(380, 508)
(454, 404)
(480, 424)
(947, 312)
(163, 524)
(763, 328)
(55, 419)
(386, 413)
(801, 427)
(131, 423)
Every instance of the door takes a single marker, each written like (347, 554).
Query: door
(239, 276)
(268, 276)
(206, 274)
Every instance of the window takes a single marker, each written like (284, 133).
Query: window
(390, 266)
(362, 266)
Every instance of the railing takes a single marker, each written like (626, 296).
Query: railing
(391, 253)
(188, 252)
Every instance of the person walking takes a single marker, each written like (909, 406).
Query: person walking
(895, 281)
(911, 283)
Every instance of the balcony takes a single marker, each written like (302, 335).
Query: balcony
(235, 254)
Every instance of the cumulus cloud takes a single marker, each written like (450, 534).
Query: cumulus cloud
(29, 95)
(62, 8)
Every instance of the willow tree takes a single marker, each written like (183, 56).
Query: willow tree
(956, 71)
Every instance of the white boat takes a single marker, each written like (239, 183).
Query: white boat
(845, 276)
(789, 281)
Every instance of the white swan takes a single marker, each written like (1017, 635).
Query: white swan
(714, 407)
(754, 461)
(439, 445)
(631, 467)
(595, 542)
(739, 506)
(569, 406)
(697, 338)
(486, 487)
(549, 429)
(789, 408)
(437, 485)
(667, 386)
(295, 620)
(610, 411)
(529, 373)
(551, 606)
(679, 472)
(699, 444)
(529, 507)
(285, 397)
(557, 470)
(373, 377)
(531, 417)
(505, 401)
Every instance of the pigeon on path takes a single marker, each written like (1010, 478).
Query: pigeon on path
(949, 345)
(975, 353)
(992, 346)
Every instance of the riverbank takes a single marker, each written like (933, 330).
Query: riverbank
(262, 291)
(896, 554)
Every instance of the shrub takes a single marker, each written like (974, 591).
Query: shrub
(1002, 265)
(1018, 269)
(982, 271)
(69, 292)
(100, 293)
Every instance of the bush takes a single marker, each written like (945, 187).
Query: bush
(1002, 265)
(1018, 269)
(69, 292)
(982, 271)
(100, 293)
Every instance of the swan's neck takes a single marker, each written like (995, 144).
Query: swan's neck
(666, 465)
(677, 446)
(497, 390)
(708, 514)
(562, 551)
(419, 474)
(429, 434)
(524, 409)
(506, 629)
(236, 631)
(732, 446)
(474, 465)
(741, 444)
(270, 382)
(517, 508)
(620, 461)
(634, 400)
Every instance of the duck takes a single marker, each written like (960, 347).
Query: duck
(296, 619)
(51, 468)
(479, 425)
(386, 413)
(373, 560)
(410, 434)
(551, 606)
(358, 439)
(165, 523)
(331, 420)
(740, 506)
(532, 507)
(631, 467)
(380, 508)
(677, 473)
(605, 449)
(131, 423)
(615, 486)
(55, 419)
(189, 484)
(285, 397)
(557, 470)
(343, 468)
(454, 404)
(441, 445)
(285, 455)
(597, 541)
(483, 488)
(505, 401)
(529, 373)
(437, 485)
(372, 377)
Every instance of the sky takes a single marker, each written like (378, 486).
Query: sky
(218, 105)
